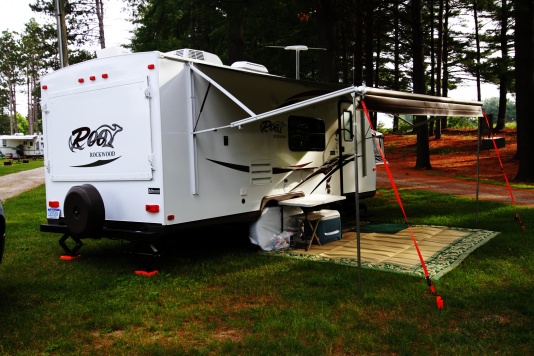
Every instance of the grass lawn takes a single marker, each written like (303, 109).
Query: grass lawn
(216, 295)
(17, 166)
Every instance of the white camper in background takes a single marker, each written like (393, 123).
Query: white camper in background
(140, 145)
(32, 145)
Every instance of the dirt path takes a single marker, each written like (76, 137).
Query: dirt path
(16, 183)
(414, 179)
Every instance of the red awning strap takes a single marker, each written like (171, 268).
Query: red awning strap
(439, 300)
(504, 173)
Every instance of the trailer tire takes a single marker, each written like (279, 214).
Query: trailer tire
(84, 211)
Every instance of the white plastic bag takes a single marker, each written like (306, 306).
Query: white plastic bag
(282, 240)
(266, 231)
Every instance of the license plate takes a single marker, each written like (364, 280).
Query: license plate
(53, 213)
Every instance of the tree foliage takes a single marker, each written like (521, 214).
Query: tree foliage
(491, 106)
(369, 42)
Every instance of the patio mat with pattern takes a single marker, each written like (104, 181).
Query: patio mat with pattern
(442, 248)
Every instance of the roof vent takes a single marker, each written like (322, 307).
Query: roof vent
(111, 52)
(255, 67)
(196, 54)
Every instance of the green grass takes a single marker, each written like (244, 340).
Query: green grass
(216, 295)
(17, 166)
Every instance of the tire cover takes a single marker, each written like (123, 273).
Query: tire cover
(84, 211)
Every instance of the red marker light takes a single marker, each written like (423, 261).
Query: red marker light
(151, 66)
(80, 80)
(170, 217)
(44, 87)
(92, 77)
(53, 204)
(105, 76)
(152, 208)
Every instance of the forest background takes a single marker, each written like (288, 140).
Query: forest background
(425, 47)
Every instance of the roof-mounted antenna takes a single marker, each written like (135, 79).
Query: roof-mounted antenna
(297, 49)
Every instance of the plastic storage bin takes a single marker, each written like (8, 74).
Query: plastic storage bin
(329, 228)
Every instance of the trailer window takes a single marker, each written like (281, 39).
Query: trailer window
(306, 134)
(347, 126)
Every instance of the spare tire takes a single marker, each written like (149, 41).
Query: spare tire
(84, 211)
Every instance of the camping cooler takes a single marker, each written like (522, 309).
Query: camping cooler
(329, 228)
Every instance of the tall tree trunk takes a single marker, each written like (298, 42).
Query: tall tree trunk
(446, 39)
(369, 29)
(327, 24)
(503, 69)
(423, 150)
(396, 64)
(432, 63)
(358, 49)
(524, 57)
(236, 43)
(477, 41)
(62, 33)
(28, 102)
(99, 5)
(12, 92)
(439, 61)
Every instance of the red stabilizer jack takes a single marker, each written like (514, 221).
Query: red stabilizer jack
(439, 302)
(145, 273)
(68, 257)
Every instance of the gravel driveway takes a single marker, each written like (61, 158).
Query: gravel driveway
(16, 183)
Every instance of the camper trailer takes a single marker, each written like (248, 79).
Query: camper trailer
(141, 145)
(22, 145)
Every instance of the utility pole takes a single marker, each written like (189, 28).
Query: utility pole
(61, 34)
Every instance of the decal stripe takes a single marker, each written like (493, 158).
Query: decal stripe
(276, 170)
(100, 162)
(237, 167)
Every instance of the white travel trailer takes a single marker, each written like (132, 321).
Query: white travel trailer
(141, 145)
(31, 145)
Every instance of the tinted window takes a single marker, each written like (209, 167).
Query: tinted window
(306, 134)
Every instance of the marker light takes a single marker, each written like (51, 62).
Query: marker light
(105, 76)
(170, 217)
(45, 87)
(53, 204)
(80, 80)
(152, 208)
(92, 77)
(151, 66)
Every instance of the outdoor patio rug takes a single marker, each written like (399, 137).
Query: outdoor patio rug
(442, 248)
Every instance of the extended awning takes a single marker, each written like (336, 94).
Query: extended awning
(379, 100)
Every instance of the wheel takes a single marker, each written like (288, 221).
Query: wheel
(84, 211)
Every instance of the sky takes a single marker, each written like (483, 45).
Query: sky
(15, 13)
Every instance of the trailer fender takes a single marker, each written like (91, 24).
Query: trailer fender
(84, 211)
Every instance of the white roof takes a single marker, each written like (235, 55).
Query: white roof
(18, 137)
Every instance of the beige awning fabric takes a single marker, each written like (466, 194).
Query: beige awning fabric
(253, 93)
(394, 102)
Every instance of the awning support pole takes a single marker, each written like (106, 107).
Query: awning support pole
(357, 195)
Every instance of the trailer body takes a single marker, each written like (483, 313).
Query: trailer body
(19, 144)
(144, 144)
